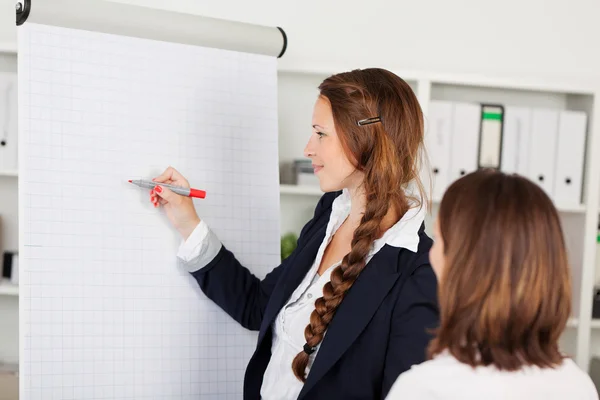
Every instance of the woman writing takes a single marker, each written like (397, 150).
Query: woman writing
(505, 297)
(349, 310)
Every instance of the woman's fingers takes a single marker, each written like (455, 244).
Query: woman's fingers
(179, 209)
(156, 200)
(165, 176)
(171, 175)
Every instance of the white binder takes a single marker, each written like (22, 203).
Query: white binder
(437, 144)
(490, 136)
(516, 140)
(8, 121)
(465, 139)
(570, 158)
(542, 152)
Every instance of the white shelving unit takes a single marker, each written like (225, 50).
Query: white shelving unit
(9, 294)
(572, 323)
(300, 190)
(9, 289)
(286, 189)
(9, 173)
(8, 48)
(298, 91)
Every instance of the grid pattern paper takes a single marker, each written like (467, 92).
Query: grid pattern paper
(106, 311)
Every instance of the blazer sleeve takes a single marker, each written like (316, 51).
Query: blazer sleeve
(415, 315)
(236, 290)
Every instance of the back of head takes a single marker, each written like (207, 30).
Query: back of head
(505, 291)
(379, 123)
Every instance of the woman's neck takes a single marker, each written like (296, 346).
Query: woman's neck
(358, 204)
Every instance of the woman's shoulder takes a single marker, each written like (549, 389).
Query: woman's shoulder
(570, 372)
(443, 363)
(414, 383)
(451, 375)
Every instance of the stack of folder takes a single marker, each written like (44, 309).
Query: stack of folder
(545, 145)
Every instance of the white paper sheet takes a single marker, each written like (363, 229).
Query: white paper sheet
(105, 311)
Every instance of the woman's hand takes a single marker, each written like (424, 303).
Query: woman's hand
(179, 209)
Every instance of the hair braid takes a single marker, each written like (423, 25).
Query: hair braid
(342, 278)
(387, 153)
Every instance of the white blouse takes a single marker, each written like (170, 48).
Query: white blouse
(279, 381)
(445, 377)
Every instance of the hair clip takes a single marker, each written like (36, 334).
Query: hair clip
(368, 121)
(309, 350)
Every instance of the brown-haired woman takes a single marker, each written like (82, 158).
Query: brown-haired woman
(504, 294)
(349, 310)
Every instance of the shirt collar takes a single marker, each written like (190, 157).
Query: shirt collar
(404, 233)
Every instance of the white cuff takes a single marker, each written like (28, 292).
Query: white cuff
(200, 248)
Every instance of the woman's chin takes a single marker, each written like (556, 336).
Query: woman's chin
(323, 186)
(327, 187)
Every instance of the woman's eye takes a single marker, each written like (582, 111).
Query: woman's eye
(320, 134)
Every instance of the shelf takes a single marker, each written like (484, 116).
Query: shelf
(571, 209)
(9, 289)
(574, 322)
(9, 172)
(324, 71)
(532, 83)
(300, 190)
(8, 48)
(572, 85)
(315, 191)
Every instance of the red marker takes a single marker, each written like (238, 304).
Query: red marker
(176, 189)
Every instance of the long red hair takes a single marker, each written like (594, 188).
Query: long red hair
(388, 153)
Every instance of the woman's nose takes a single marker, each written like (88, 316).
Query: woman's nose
(308, 149)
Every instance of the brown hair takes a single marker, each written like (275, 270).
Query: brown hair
(387, 152)
(505, 293)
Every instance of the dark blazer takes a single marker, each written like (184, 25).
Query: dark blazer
(378, 331)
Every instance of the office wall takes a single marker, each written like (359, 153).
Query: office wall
(7, 21)
(541, 37)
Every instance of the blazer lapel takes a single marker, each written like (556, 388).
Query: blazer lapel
(298, 268)
(355, 312)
